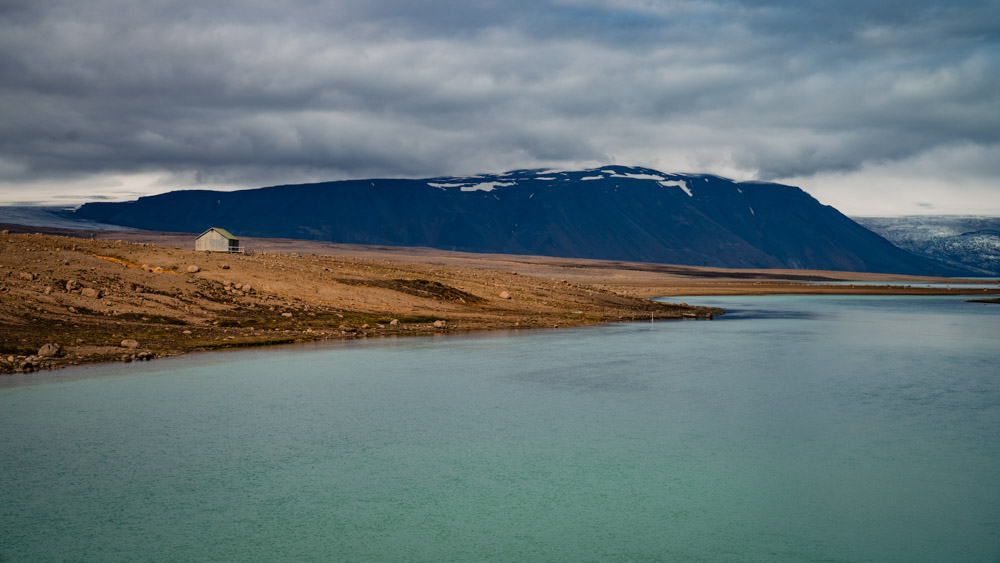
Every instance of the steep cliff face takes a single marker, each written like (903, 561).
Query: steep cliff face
(614, 212)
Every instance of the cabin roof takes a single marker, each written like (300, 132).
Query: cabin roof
(222, 232)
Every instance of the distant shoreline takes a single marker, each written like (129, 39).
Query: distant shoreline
(94, 297)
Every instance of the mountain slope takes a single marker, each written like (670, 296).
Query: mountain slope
(615, 212)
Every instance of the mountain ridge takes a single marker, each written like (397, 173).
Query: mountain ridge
(610, 212)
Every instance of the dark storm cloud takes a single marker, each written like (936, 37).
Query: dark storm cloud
(254, 92)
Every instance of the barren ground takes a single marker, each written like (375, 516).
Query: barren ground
(91, 296)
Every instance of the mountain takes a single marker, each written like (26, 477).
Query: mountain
(958, 240)
(614, 212)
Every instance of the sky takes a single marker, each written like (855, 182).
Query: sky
(877, 107)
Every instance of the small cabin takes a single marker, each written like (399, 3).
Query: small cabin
(217, 240)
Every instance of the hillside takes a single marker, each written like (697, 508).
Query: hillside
(615, 212)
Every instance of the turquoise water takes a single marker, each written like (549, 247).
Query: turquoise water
(792, 429)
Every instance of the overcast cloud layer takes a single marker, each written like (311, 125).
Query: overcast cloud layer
(876, 107)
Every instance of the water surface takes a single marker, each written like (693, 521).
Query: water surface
(795, 428)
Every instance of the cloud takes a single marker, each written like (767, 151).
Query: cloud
(251, 93)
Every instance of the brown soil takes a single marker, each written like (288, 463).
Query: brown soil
(89, 295)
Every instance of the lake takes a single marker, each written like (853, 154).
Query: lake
(795, 428)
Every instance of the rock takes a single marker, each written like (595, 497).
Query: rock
(50, 351)
(5, 232)
(72, 285)
(225, 266)
(72, 310)
(185, 332)
(193, 269)
(394, 322)
(144, 356)
(440, 324)
(91, 292)
(247, 288)
(10, 359)
(48, 290)
(130, 343)
(238, 286)
(27, 276)
(504, 295)
(286, 315)
(157, 270)
(365, 327)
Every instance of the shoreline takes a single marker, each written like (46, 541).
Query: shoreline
(139, 295)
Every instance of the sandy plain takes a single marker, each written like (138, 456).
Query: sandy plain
(73, 296)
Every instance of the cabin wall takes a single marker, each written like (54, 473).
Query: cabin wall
(213, 242)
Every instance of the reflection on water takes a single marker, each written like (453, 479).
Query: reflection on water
(832, 428)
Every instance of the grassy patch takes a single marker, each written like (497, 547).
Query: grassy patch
(9, 348)
(150, 318)
(420, 288)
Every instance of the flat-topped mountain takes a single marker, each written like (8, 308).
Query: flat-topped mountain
(613, 212)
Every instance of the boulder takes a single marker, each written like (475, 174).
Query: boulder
(72, 285)
(50, 350)
(130, 343)
(286, 315)
(440, 324)
(193, 269)
(27, 276)
(91, 292)
(394, 322)
(225, 266)
(504, 295)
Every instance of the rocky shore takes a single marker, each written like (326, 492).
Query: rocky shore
(67, 301)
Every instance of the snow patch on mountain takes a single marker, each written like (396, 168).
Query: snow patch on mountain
(639, 176)
(487, 186)
(678, 183)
